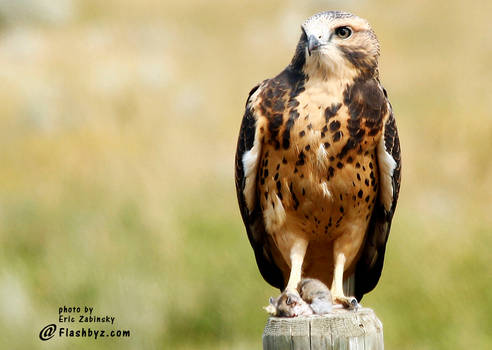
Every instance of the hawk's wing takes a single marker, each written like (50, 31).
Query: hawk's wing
(370, 264)
(247, 158)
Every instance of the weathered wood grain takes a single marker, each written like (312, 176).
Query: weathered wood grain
(340, 329)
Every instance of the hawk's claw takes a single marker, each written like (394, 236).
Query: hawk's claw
(354, 305)
(349, 303)
(292, 298)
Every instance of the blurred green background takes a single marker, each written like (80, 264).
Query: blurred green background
(118, 127)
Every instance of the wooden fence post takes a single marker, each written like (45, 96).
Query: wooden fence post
(340, 329)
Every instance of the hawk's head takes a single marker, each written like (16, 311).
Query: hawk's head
(337, 43)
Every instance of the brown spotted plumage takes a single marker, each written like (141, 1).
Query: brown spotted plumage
(318, 162)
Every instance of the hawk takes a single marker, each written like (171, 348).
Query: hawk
(318, 163)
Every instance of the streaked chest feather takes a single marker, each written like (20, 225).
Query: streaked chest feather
(318, 170)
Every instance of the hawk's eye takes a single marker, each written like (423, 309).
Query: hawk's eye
(343, 32)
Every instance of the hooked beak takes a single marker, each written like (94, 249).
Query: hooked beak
(313, 44)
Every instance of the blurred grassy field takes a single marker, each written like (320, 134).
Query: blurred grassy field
(118, 126)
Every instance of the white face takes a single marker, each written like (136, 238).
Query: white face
(327, 33)
(332, 38)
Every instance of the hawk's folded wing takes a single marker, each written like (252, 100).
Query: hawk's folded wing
(370, 264)
(247, 157)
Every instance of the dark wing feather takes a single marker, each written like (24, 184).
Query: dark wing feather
(370, 263)
(253, 220)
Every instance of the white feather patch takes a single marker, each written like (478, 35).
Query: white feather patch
(274, 214)
(387, 166)
(251, 159)
(326, 191)
(250, 166)
(322, 156)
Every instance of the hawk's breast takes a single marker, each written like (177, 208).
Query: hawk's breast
(317, 175)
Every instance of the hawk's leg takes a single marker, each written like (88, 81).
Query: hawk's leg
(297, 253)
(343, 250)
(337, 285)
(290, 303)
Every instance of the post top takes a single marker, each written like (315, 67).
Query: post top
(335, 313)
(361, 327)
